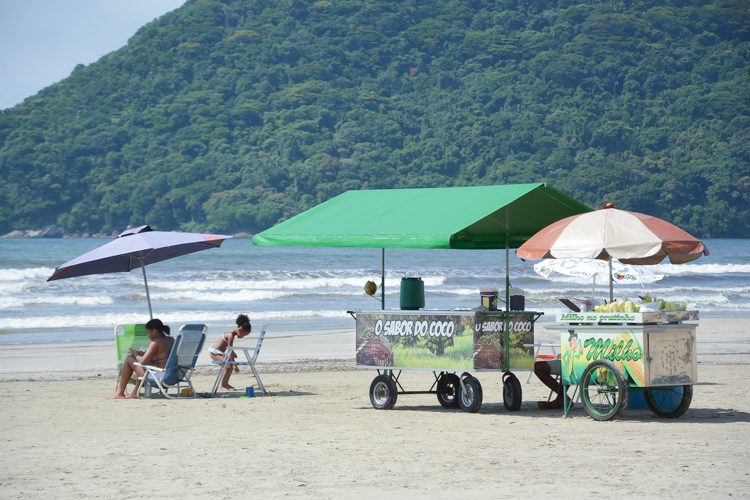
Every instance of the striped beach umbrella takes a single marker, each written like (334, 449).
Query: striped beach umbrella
(610, 233)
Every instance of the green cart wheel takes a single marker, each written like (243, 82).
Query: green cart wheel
(603, 390)
(383, 393)
(447, 390)
(669, 402)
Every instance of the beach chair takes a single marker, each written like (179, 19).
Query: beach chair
(180, 364)
(555, 375)
(127, 337)
(251, 356)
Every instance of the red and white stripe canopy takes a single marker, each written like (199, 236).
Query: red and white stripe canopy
(609, 233)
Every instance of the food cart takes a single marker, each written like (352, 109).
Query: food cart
(605, 354)
(473, 217)
(446, 343)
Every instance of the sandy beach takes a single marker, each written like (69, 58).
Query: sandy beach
(318, 436)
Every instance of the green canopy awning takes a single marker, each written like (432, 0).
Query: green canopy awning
(453, 217)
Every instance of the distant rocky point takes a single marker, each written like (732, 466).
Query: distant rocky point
(52, 231)
(49, 232)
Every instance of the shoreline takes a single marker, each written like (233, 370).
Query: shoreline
(87, 360)
(724, 341)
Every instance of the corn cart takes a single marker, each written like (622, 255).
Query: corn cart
(606, 354)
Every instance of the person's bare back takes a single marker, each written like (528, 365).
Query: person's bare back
(158, 352)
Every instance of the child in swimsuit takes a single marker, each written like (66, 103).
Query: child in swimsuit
(218, 350)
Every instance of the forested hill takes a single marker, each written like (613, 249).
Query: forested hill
(232, 115)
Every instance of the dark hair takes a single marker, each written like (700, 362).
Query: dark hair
(246, 327)
(156, 324)
(242, 319)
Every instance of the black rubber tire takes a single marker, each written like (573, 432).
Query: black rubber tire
(657, 404)
(608, 387)
(447, 390)
(512, 393)
(470, 399)
(383, 392)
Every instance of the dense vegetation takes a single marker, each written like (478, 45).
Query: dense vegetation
(230, 115)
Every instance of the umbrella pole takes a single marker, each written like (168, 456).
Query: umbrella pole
(593, 287)
(611, 281)
(148, 297)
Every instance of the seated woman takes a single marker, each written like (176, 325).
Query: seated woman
(156, 355)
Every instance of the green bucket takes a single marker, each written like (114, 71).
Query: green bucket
(412, 293)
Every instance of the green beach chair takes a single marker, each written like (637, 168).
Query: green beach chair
(127, 336)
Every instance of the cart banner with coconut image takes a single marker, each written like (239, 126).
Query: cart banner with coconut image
(446, 342)
(489, 341)
(623, 348)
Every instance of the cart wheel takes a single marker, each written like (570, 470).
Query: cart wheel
(383, 393)
(470, 398)
(447, 390)
(603, 390)
(512, 394)
(662, 401)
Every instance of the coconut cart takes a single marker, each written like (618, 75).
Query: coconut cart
(450, 344)
(605, 353)
(445, 343)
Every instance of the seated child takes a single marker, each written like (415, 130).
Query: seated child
(218, 350)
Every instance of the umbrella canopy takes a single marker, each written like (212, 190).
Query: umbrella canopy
(593, 270)
(609, 233)
(587, 270)
(134, 248)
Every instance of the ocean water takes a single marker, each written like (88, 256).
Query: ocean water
(310, 289)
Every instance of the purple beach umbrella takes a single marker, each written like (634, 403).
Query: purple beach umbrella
(134, 248)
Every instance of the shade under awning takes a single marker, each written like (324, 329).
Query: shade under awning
(454, 217)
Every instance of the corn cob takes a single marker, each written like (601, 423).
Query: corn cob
(572, 349)
(634, 367)
(569, 369)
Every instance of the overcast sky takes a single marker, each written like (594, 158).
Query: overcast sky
(41, 41)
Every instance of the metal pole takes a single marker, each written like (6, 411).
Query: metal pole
(382, 278)
(507, 287)
(611, 294)
(148, 297)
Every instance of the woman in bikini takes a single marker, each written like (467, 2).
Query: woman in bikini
(218, 350)
(156, 355)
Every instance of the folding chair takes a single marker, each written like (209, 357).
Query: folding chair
(537, 356)
(127, 337)
(251, 356)
(556, 376)
(180, 364)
